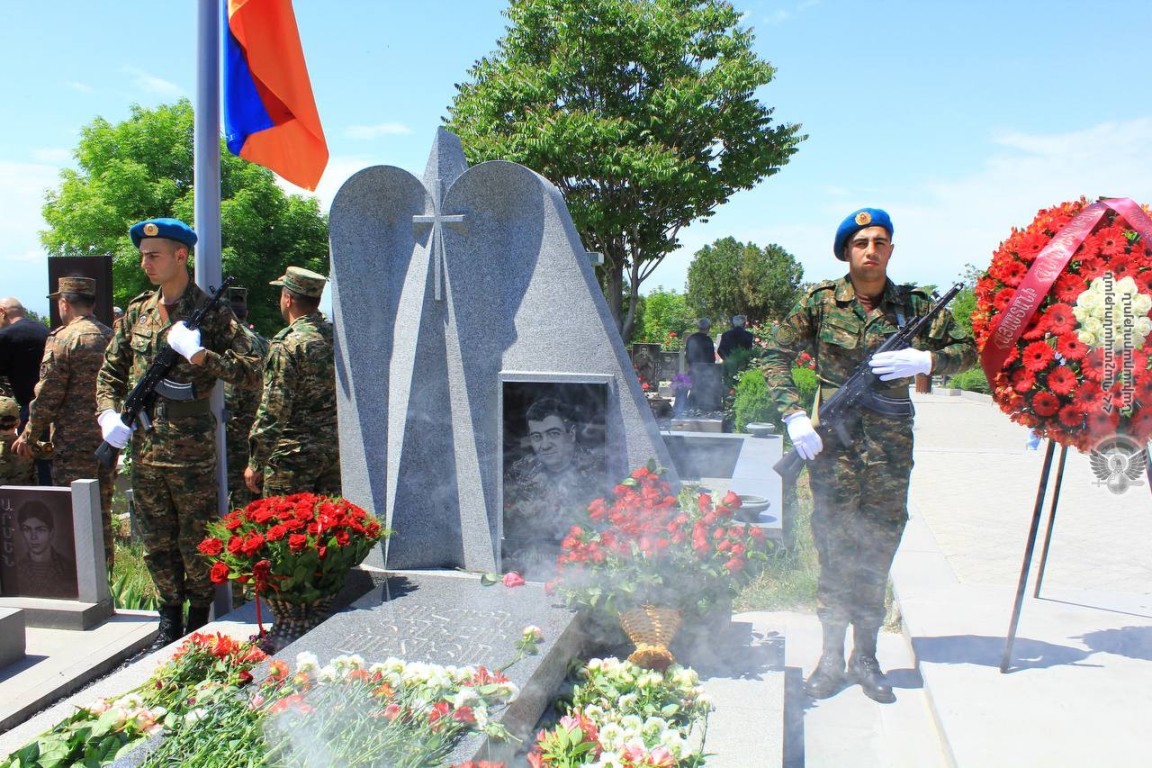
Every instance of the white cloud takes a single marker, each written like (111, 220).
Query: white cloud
(82, 87)
(153, 84)
(339, 169)
(781, 15)
(368, 132)
(22, 261)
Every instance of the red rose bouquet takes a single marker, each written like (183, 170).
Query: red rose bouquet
(1077, 367)
(645, 546)
(293, 548)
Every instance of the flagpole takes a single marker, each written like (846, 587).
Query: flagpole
(207, 213)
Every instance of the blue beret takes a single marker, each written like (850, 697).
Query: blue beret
(856, 221)
(173, 229)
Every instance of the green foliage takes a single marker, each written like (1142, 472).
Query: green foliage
(131, 585)
(663, 312)
(753, 401)
(732, 278)
(643, 113)
(806, 382)
(962, 308)
(972, 380)
(143, 168)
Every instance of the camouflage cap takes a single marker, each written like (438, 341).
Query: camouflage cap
(84, 286)
(302, 281)
(9, 412)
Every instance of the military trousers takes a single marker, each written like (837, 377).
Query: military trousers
(311, 472)
(173, 506)
(860, 508)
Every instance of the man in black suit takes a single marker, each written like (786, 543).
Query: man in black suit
(21, 349)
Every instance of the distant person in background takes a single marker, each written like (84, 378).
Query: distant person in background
(65, 402)
(22, 342)
(294, 446)
(240, 405)
(42, 571)
(699, 351)
(736, 337)
(14, 468)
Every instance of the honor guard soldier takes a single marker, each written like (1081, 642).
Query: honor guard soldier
(173, 463)
(860, 487)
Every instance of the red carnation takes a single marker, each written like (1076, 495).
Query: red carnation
(513, 579)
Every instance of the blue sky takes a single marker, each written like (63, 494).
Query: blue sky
(961, 119)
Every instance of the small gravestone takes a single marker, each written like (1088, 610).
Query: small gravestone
(52, 563)
(707, 392)
(460, 301)
(12, 641)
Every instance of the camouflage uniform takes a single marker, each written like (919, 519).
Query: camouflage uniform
(240, 404)
(860, 491)
(14, 469)
(174, 465)
(66, 401)
(294, 441)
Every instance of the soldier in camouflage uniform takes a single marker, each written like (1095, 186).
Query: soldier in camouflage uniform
(240, 404)
(14, 468)
(294, 446)
(174, 464)
(66, 397)
(860, 490)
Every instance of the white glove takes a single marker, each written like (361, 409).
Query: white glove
(901, 363)
(115, 431)
(805, 439)
(184, 340)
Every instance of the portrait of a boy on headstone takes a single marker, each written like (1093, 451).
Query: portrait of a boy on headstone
(549, 486)
(43, 566)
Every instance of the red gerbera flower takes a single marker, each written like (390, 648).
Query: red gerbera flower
(1070, 347)
(1061, 380)
(1060, 319)
(1045, 404)
(1037, 356)
(1068, 287)
(1023, 381)
(1071, 416)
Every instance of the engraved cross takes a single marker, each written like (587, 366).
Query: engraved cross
(436, 240)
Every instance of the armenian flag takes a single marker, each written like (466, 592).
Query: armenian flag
(270, 116)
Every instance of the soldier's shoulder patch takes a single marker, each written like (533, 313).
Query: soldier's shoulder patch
(785, 335)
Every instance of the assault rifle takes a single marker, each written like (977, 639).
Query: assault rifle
(859, 390)
(138, 405)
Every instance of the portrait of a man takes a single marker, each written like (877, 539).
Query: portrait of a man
(549, 485)
(42, 569)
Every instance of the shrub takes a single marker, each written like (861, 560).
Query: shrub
(972, 380)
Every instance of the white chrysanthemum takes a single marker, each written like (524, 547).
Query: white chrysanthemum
(328, 674)
(465, 697)
(612, 735)
(1113, 314)
(349, 662)
(627, 701)
(306, 661)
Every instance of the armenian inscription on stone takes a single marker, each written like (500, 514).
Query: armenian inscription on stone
(461, 636)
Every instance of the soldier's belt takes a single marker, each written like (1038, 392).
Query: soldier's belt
(893, 393)
(178, 409)
(891, 402)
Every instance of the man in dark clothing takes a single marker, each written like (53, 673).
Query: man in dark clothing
(736, 337)
(21, 348)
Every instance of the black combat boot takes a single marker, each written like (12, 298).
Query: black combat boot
(197, 617)
(828, 677)
(865, 669)
(171, 628)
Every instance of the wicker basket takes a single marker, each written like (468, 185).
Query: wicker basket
(651, 629)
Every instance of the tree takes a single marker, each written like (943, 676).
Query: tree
(642, 112)
(663, 312)
(142, 168)
(731, 278)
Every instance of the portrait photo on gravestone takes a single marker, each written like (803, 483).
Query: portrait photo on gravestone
(554, 465)
(37, 544)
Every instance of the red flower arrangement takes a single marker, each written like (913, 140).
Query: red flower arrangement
(293, 548)
(1078, 368)
(645, 546)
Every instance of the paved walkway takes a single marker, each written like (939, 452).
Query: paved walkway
(1077, 691)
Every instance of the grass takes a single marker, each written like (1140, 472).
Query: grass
(132, 587)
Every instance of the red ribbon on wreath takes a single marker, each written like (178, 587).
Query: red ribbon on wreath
(1049, 263)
